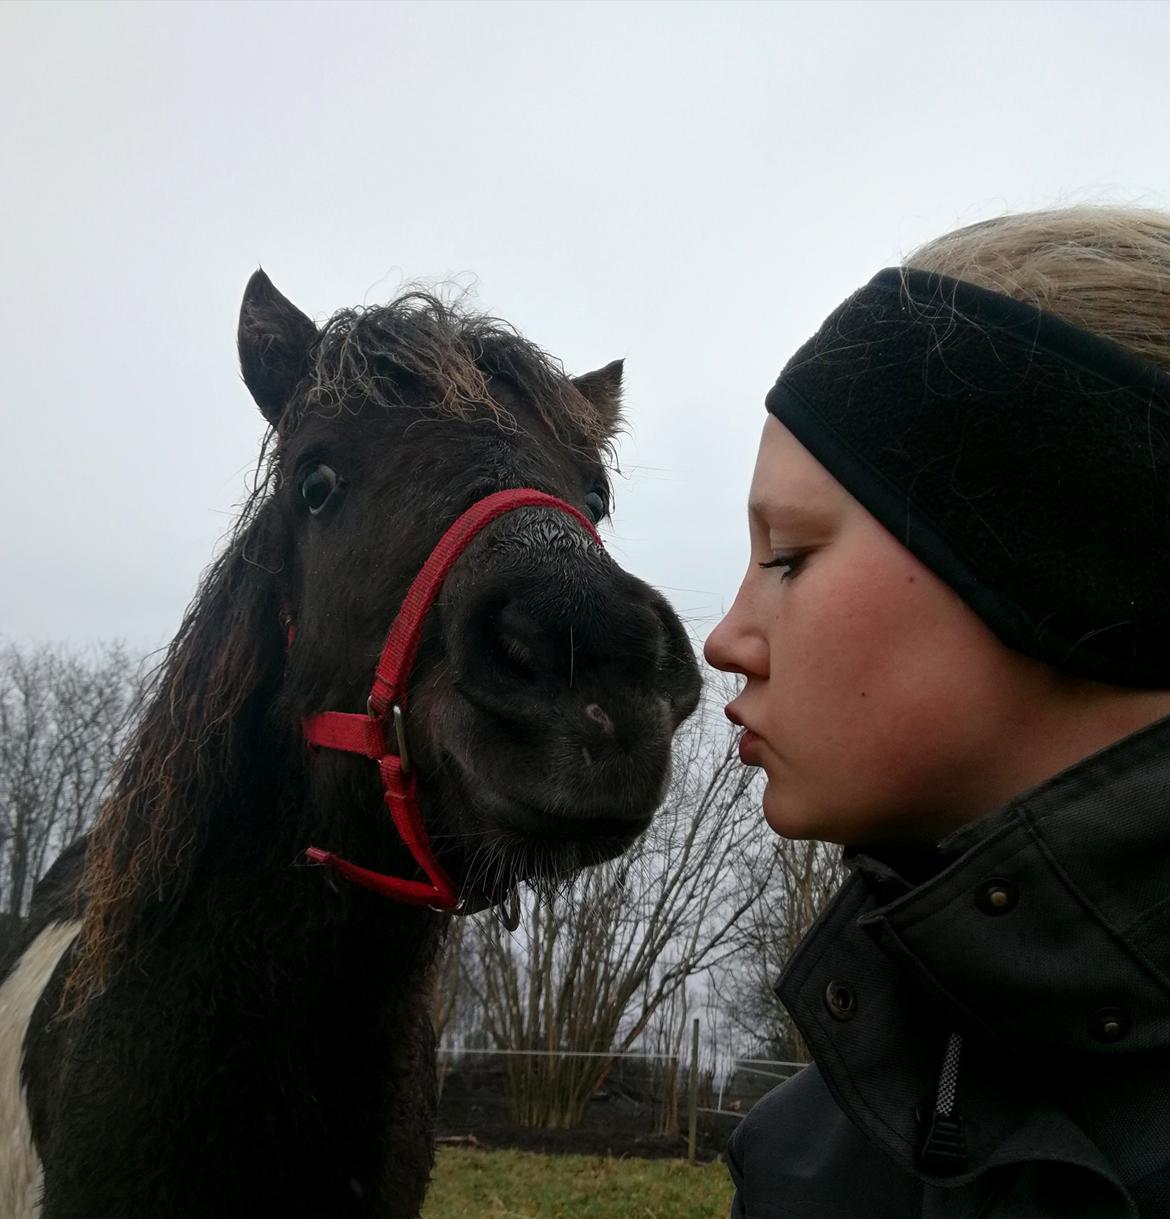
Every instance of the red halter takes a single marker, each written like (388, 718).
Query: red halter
(366, 734)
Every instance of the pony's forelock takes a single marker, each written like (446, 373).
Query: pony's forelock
(421, 351)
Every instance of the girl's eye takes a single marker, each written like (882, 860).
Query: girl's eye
(789, 564)
(596, 506)
(317, 486)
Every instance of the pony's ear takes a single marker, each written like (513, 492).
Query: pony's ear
(603, 388)
(275, 340)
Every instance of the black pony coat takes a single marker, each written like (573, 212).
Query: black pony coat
(347, 974)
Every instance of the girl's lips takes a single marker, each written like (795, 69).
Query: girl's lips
(749, 742)
(748, 747)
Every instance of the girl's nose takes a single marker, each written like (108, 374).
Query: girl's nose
(735, 647)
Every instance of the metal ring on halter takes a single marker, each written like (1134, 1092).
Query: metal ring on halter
(455, 909)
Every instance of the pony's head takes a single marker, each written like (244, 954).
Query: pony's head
(549, 681)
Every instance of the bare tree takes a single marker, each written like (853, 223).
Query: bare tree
(63, 715)
(800, 879)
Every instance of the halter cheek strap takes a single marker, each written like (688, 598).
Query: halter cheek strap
(367, 734)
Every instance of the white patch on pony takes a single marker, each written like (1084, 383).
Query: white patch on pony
(20, 1167)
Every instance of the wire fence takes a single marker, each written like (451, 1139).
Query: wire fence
(648, 1103)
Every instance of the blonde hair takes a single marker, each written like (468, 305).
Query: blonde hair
(1103, 268)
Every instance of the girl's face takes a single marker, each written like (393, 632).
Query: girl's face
(878, 704)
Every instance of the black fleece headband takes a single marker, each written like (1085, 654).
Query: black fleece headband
(1025, 461)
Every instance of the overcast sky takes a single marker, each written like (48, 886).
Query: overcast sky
(690, 186)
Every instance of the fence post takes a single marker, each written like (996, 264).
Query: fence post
(694, 1101)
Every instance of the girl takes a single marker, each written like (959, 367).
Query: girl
(954, 635)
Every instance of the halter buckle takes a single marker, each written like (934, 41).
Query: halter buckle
(399, 717)
(400, 733)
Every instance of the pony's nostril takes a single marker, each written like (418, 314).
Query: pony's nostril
(595, 713)
(513, 640)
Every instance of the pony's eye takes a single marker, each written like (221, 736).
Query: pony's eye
(596, 506)
(317, 486)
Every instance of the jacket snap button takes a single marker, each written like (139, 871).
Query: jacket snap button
(1109, 1024)
(997, 896)
(841, 1000)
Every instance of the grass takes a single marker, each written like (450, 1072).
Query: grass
(480, 1184)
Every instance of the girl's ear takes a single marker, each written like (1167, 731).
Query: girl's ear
(275, 340)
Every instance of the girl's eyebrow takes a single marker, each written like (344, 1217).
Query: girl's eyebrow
(788, 516)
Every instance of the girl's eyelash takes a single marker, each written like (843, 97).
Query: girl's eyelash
(791, 561)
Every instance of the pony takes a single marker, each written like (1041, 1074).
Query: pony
(220, 1004)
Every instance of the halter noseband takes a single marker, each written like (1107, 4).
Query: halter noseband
(366, 734)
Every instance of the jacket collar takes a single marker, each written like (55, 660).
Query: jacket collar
(1053, 912)
(1041, 933)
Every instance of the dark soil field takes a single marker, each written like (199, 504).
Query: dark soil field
(473, 1111)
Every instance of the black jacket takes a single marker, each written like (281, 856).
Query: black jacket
(1031, 958)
